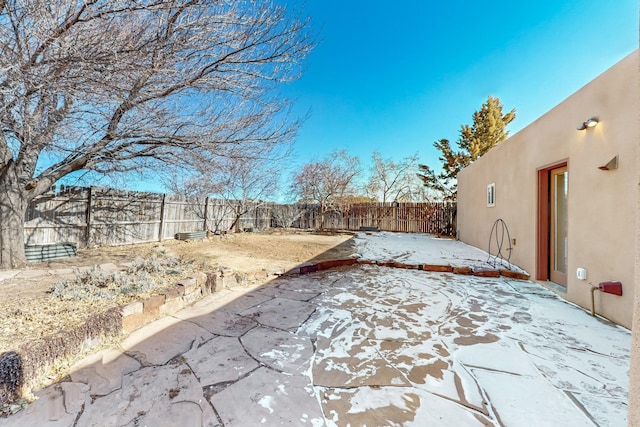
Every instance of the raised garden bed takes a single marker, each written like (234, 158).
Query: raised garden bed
(40, 253)
(191, 235)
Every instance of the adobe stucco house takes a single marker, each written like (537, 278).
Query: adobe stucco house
(571, 199)
(562, 209)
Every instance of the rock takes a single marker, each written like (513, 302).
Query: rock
(487, 273)
(214, 281)
(514, 275)
(189, 285)
(220, 360)
(103, 372)
(280, 350)
(156, 396)
(171, 306)
(324, 265)
(463, 270)
(173, 293)
(269, 398)
(74, 396)
(54, 400)
(201, 278)
(161, 341)
(152, 304)
(132, 308)
(281, 313)
(438, 268)
(219, 322)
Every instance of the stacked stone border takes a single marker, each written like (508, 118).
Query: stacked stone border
(467, 271)
(24, 366)
(31, 360)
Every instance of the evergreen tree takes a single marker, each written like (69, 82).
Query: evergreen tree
(489, 129)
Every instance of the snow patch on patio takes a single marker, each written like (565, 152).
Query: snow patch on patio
(421, 348)
(419, 248)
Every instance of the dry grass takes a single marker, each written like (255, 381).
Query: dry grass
(29, 310)
(66, 301)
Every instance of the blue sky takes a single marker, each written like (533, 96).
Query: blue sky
(396, 76)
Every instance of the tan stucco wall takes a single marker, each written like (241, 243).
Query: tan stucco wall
(602, 205)
(634, 380)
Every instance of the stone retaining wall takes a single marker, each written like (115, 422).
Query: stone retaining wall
(464, 270)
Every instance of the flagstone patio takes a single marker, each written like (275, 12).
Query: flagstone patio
(361, 345)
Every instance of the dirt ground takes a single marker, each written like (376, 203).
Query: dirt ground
(29, 310)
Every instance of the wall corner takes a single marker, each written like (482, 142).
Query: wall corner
(634, 369)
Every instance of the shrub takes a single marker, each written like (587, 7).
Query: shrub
(142, 276)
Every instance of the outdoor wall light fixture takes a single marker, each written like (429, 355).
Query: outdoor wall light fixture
(591, 123)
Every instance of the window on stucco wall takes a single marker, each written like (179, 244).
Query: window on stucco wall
(491, 195)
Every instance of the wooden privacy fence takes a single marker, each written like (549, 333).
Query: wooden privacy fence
(436, 218)
(108, 217)
(432, 217)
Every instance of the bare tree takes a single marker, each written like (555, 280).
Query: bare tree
(391, 180)
(110, 86)
(247, 185)
(241, 180)
(327, 182)
(286, 215)
(418, 192)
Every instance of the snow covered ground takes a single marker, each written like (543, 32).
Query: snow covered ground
(361, 346)
(417, 248)
(405, 347)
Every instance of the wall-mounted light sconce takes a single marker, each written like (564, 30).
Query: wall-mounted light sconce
(591, 123)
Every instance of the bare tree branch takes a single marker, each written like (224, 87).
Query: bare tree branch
(109, 86)
(390, 180)
(327, 182)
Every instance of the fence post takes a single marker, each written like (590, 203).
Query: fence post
(395, 216)
(206, 214)
(87, 232)
(161, 227)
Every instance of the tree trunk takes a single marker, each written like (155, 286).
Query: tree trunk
(240, 210)
(323, 210)
(13, 206)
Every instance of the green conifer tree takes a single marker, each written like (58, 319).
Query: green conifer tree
(489, 129)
